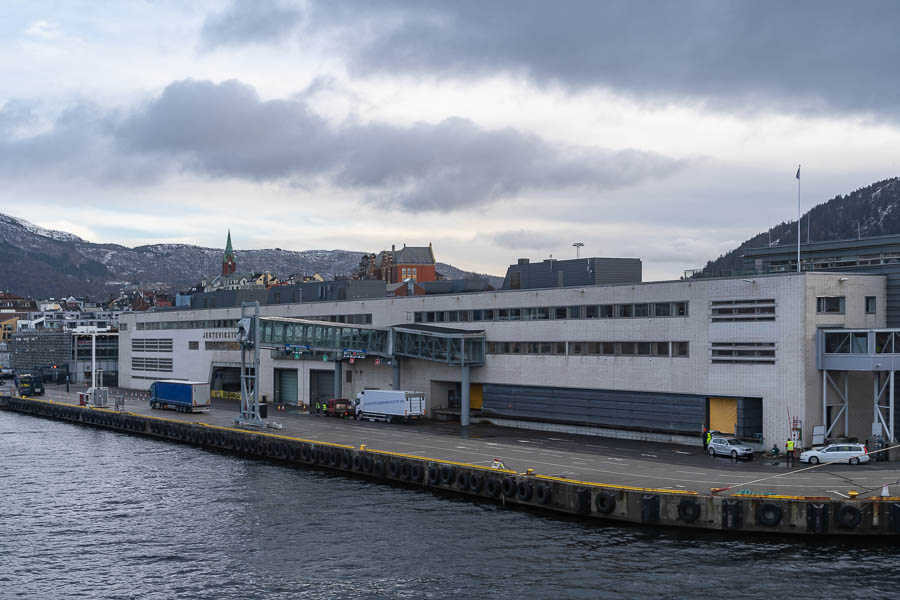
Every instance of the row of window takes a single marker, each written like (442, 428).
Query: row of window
(837, 305)
(544, 313)
(161, 365)
(743, 352)
(207, 324)
(675, 349)
(356, 319)
(742, 310)
(151, 344)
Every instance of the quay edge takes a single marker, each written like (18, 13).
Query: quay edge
(795, 515)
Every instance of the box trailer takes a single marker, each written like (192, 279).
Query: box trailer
(389, 405)
(183, 396)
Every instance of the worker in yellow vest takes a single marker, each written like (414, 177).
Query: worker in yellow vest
(790, 452)
(706, 438)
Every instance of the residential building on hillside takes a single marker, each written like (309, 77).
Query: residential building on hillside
(410, 262)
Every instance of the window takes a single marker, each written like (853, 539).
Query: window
(680, 349)
(151, 344)
(743, 352)
(870, 305)
(625, 310)
(607, 311)
(659, 348)
(573, 312)
(742, 310)
(641, 310)
(681, 309)
(193, 345)
(830, 305)
(591, 312)
(559, 312)
(662, 309)
(349, 377)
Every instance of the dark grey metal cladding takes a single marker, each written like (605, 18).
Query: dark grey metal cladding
(749, 417)
(567, 273)
(643, 410)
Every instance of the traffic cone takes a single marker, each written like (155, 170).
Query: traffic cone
(885, 492)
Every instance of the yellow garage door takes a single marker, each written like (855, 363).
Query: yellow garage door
(475, 396)
(723, 414)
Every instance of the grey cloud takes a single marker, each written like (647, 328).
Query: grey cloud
(251, 21)
(800, 56)
(530, 240)
(226, 131)
(77, 144)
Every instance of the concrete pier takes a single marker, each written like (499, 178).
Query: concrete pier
(323, 443)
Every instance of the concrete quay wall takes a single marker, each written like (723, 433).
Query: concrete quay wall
(648, 506)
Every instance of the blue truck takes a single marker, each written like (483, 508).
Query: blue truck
(29, 384)
(183, 396)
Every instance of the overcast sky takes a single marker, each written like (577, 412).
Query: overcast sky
(668, 131)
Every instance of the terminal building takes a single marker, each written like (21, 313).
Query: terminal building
(609, 356)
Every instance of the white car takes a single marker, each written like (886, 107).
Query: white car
(851, 453)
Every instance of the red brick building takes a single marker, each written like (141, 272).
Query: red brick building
(410, 262)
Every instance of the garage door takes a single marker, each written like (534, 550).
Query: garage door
(287, 385)
(321, 386)
(723, 415)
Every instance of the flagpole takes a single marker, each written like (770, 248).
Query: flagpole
(798, 218)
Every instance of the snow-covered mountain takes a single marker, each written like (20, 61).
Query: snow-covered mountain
(40, 262)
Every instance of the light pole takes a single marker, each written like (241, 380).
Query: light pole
(578, 246)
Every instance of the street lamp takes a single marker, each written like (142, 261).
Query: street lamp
(578, 246)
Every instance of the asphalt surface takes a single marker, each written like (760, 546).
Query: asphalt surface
(584, 458)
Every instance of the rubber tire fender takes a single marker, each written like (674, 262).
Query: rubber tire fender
(434, 475)
(405, 471)
(492, 487)
(333, 458)
(462, 480)
(368, 464)
(379, 468)
(508, 487)
(849, 516)
(306, 453)
(605, 502)
(543, 494)
(416, 471)
(357, 463)
(524, 491)
(346, 460)
(448, 475)
(394, 469)
(476, 482)
(768, 514)
(688, 510)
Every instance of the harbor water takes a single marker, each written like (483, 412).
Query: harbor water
(87, 513)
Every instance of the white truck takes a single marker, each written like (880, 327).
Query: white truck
(389, 405)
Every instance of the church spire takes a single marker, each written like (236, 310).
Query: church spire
(228, 264)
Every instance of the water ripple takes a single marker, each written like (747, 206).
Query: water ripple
(93, 514)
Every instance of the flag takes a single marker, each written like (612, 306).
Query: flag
(798, 172)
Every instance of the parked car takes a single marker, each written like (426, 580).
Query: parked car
(851, 453)
(733, 447)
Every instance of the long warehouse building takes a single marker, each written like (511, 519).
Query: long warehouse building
(655, 360)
